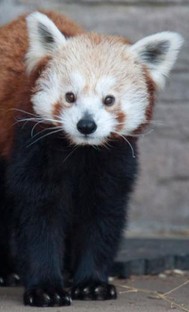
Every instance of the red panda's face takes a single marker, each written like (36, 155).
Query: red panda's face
(92, 94)
(96, 87)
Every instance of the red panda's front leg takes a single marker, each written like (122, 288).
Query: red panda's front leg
(8, 276)
(103, 190)
(96, 243)
(40, 218)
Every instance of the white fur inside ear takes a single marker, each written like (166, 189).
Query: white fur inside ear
(158, 52)
(44, 38)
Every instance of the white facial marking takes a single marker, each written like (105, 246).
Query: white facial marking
(105, 84)
(77, 81)
(134, 104)
(48, 94)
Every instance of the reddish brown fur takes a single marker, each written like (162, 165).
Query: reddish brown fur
(15, 86)
(57, 108)
(151, 91)
(120, 116)
(97, 39)
(149, 110)
(36, 72)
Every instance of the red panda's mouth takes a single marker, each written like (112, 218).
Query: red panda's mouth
(89, 139)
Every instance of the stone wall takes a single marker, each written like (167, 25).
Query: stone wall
(160, 205)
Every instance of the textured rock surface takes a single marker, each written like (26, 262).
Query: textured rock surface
(160, 205)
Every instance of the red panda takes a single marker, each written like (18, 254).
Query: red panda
(71, 106)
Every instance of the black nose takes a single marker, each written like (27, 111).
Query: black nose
(86, 126)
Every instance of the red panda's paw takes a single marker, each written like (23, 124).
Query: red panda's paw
(97, 291)
(48, 297)
(9, 280)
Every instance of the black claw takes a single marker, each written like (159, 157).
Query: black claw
(46, 298)
(11, 279)
(97, 291)
(2, 281)
(112, 293)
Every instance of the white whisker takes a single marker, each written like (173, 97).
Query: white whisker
(157, 122)
(68, 156)
(126, 140)
(141, 134)
(23, 111)
(33, 128)
(46, 129)
(52, 132)
(147, 133)
(106, 145)
(24, 120)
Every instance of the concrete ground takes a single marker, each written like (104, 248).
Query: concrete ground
(167, 292)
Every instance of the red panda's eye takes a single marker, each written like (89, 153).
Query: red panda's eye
(109, 100)
(70, 97)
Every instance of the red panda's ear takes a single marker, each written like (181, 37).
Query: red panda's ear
(44, 38)
(158, 52)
